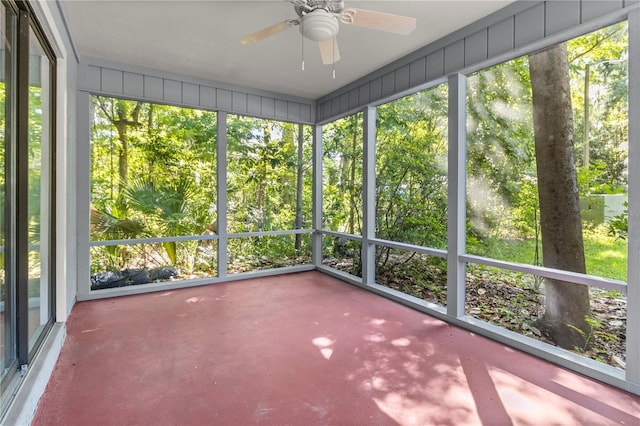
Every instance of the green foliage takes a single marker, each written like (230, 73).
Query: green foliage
(619, 225)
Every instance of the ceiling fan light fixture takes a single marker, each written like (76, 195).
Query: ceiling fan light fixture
(319, 25)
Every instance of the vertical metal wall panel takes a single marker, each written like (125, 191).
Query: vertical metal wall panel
(223, 99)
(501, 37)
(475, 48)
(418, 72)
(592, 9)
(435, 65)
(369, 196)
(153, 88)
(344, 102)
(456, 194)
(454, 57)
(335, 106)
(316, 206)
(633, 267)
(133, 85)
(191, 94)
(375, 89)
(529, 25)
(254, 104)
(293, 111)
(172, 91)
(208, 98)
(324, 110)
(561, 14)
(239, 102)
(403, 78)
(112, 81)
(221, 191)
(354, 98)
(268, 106)
(388, 84)
(363, 95)
(91, 78)
(306, 113)
(281, 109)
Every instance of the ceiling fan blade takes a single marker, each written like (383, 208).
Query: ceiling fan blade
(379, 20)
(269, 31)
(329, 51)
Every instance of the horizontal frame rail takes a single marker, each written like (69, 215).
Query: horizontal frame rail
(410, 247)
(555, 274)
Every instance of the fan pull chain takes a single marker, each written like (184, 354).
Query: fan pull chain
(333, 53)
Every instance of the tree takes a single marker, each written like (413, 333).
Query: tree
(566, 304)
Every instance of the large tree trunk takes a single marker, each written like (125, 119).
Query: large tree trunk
(567, 304)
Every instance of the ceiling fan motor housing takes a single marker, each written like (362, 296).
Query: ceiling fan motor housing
(319, 25)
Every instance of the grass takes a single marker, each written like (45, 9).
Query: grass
(605, 255)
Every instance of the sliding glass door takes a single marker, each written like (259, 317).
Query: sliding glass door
(26, 193)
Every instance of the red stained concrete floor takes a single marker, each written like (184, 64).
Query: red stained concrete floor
(302, 349)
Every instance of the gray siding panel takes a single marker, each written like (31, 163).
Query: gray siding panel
(375, 89)
(344, 102)
(335, 106)
(501, 37)
(153, 87)
(133, 85)
(593, 9)
(388, 84)
(224, 99)
(173, 91)
(268, 107)
(354, 98)
(418, 72)
(254, 105)
(208, 97)
(364, 96)
(191, 94)
(475, 48)
(403, 78)
(293, 111)
(561, 14)
(529, 25)
(90, 79)
(435, 65)
(305, 113)
(454, 57)
(281, 109)
(112, 81)
(239, 102)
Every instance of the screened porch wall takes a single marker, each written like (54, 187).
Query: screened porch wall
(507, 33)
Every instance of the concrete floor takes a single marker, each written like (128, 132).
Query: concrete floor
(302, 349)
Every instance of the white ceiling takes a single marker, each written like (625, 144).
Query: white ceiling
(202, 39)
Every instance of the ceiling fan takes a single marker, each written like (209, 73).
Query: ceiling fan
(319, 20)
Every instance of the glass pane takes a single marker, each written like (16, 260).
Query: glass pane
(39, 197)
(411, 169)
(7, 288)
(280, 251)
(342, 175)
(269, 175)
(135, 264)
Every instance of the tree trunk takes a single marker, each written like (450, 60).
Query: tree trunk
(566, 304)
